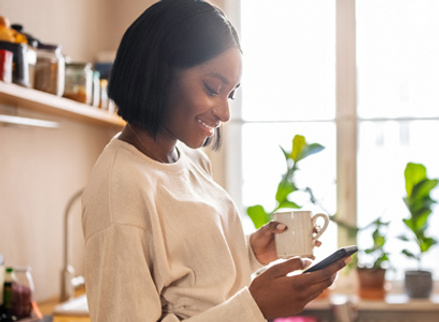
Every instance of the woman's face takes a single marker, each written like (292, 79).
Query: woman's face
(199, 98)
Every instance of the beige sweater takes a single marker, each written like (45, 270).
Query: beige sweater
(163, 242)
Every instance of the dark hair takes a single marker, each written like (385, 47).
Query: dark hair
(168, 36)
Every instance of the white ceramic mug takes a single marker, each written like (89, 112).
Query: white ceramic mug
(299, 238)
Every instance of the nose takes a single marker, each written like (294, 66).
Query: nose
(222, 111)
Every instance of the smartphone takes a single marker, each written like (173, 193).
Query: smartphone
(339, 254)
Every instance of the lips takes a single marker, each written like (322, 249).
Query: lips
(210, 127)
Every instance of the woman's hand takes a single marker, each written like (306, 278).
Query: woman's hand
(280, 295)
(263, 243)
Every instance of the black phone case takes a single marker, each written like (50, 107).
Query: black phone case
(339, 254)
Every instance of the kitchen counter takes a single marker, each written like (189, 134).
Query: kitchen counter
(52, 307)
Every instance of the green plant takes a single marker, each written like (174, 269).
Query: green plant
(419, 203)
(287, 186)
(284, 198)
(379, 257)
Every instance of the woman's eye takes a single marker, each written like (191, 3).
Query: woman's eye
(232, 96)
(210, 91)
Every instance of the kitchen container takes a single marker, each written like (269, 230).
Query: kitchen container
(6, 66)
(20, 69)
(79, 82)
(103, 102)
(22, 295)
(96, 89)
(50, 69)
(32, 45)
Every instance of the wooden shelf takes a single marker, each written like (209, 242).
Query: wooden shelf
(38, 101)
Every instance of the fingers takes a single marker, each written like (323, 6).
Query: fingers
(288, 266)
(329, 272)
(275, 227)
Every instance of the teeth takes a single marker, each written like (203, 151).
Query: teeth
(204, 124)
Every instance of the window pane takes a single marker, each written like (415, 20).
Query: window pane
(289, 59)
(384, 150)
(264, 164)
(398, 58)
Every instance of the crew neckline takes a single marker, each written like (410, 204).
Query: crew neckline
(175, 166)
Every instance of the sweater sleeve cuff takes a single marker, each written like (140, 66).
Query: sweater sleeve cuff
(248, 304)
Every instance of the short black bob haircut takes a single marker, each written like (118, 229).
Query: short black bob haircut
(168, 36)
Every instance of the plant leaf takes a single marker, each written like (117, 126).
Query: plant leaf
(310, 149)
(258, 215)
(288, 204)
(413, 173)
(283, 190)
(426, 243)
(298, 145)
(403, 237)
(408, 253)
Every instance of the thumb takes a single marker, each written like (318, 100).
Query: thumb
(288, 266)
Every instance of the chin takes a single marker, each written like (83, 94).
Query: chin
(194, 144)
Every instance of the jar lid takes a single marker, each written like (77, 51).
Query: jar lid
(78, 65)
(50, 47)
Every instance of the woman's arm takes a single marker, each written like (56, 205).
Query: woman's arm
(121, 285)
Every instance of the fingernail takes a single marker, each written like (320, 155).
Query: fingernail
(348, 260)
(281, 226)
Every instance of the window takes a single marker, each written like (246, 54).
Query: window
(360, 78)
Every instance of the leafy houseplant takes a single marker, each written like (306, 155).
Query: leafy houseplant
(419, 203)
(375, 271)
(371, 276)
(287, 186)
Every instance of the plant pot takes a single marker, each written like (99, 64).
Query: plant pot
(418, 284)
(371, 284)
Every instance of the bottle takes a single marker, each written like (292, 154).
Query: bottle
(8, 296)
(2, 278)
(103, 100)
(23, 292)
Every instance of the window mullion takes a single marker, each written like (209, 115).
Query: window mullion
(346, 116)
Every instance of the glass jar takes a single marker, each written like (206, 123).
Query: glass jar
(23, 292)
(50, 69)
(79, 82)
(96, 89)
(103, 102)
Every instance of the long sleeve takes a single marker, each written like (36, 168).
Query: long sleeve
(116, 295)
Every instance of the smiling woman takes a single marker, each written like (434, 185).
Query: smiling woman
(163, 241)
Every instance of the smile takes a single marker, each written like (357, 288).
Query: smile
(209, 127)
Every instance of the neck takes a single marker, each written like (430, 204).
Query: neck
(159, 148)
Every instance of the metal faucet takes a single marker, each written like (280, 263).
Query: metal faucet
(69, 282)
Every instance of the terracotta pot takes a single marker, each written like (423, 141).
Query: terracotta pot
(418, 284)
(371, 283)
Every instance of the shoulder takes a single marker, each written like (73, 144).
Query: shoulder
(197, 157)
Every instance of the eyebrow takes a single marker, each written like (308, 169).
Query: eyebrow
(222, 78)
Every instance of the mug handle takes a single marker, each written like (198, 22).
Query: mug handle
(320, 230)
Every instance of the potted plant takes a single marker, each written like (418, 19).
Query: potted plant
(418, 283)
(375, 269)
(373, 262)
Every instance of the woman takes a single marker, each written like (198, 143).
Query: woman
(163, 241)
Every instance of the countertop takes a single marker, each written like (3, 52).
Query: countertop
(47, 308)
